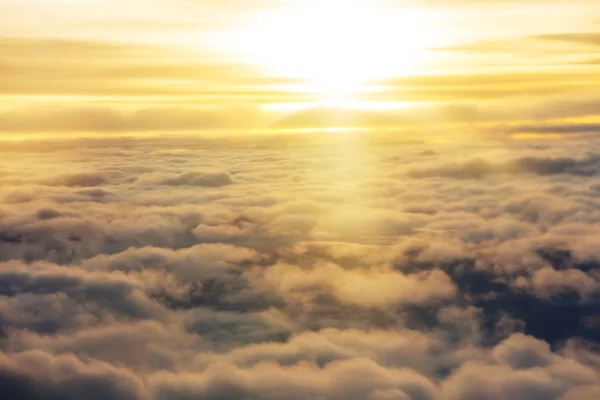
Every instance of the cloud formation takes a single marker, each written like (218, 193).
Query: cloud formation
(330, 266)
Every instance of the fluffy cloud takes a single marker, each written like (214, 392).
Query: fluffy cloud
(330, 267)
(208, 179)
(479, 168)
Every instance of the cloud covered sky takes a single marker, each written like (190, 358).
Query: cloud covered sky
(299, 266)
(299, 199)
(96, 67)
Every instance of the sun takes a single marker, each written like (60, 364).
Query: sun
(338, 48)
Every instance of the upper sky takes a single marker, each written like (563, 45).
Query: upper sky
(162, 66)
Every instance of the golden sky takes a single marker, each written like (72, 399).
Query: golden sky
(169, 66)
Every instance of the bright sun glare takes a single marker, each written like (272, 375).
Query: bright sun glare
(339, 47)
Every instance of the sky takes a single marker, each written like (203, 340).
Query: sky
(299, 200)
(98, 67)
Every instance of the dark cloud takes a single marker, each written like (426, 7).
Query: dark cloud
(557, 128)
(586, 38)
(209, 179)
(479, 168)
(40, 376)
(81, 179)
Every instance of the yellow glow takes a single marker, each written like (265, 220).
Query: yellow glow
(338, 46)
(356, 105)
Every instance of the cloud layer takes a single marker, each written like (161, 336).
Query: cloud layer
(300, 267)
